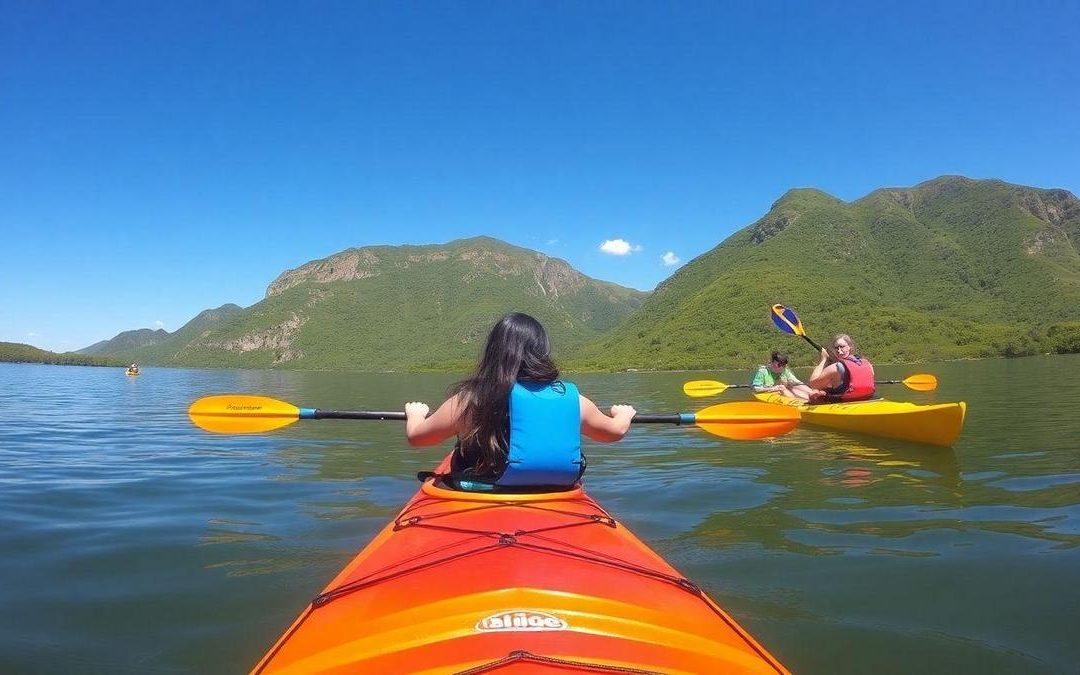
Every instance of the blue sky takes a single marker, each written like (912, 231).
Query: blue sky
(157, 159)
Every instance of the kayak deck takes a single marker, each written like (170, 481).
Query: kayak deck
(937, 424)
(467, 582)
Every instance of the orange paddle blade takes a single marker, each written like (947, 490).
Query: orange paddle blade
(921, 382)
(699, 388)
(747, 420)
(241, 414)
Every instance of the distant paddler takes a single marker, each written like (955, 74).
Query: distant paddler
(842, 374)
(133, 369)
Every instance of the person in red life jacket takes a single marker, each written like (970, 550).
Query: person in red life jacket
(843, 376)
(518, 426)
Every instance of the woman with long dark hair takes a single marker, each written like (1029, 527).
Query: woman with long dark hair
(517, 424)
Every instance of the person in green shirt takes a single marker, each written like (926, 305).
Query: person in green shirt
(777, 377)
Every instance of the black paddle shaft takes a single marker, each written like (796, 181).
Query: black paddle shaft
(356, 415)
(638, 419)
(659, 419)
(675, 418)
(813, 344)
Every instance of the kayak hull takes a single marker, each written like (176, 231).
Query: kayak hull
(469, 582)
(938, 424)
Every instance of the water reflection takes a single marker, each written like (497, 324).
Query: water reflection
(281, 560)
(822, 543)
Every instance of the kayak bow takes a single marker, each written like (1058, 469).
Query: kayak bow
(473, 583)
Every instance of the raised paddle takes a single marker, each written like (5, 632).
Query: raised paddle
(701, 388)
(246, 414)
(787, 321)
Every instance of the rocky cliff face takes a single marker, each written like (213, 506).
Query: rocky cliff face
(477, 259)
(345, 266)
(278, 339)
(399, 307)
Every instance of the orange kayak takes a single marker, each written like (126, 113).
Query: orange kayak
(474, 583)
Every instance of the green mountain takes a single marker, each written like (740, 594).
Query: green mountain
(396, 307)
(155, 345)
(126, 341)
(950, 268)
(16, 352)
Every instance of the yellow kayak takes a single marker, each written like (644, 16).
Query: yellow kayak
(938, 424)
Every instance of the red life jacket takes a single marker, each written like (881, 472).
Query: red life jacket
(858, 384)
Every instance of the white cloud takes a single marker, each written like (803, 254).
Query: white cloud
(670, 259)
(552, 242)
(31, 334)
(159, 324)
(619, 247)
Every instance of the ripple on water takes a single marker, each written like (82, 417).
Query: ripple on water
(1028, 483)
(135, 543)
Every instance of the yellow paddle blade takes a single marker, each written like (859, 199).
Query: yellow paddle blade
(241, 414)
(921, 382)
(699, 388)
(747, 420)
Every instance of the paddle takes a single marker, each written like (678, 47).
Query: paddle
(246, 414)
(701, 388)
(787, 321)
(918, 382)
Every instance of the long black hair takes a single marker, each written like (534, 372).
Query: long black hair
(517, 349)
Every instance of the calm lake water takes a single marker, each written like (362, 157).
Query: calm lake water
(135, 543)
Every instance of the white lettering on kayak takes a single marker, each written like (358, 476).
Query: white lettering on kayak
(521, 620)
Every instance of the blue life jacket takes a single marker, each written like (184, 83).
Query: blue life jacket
(545, 435)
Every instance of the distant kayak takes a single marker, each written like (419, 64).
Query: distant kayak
(132, 372)
(514, 583)
(938, 424)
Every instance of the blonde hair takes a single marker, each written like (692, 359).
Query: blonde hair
(846, 338)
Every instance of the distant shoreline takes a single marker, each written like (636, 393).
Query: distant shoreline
(91, 362)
